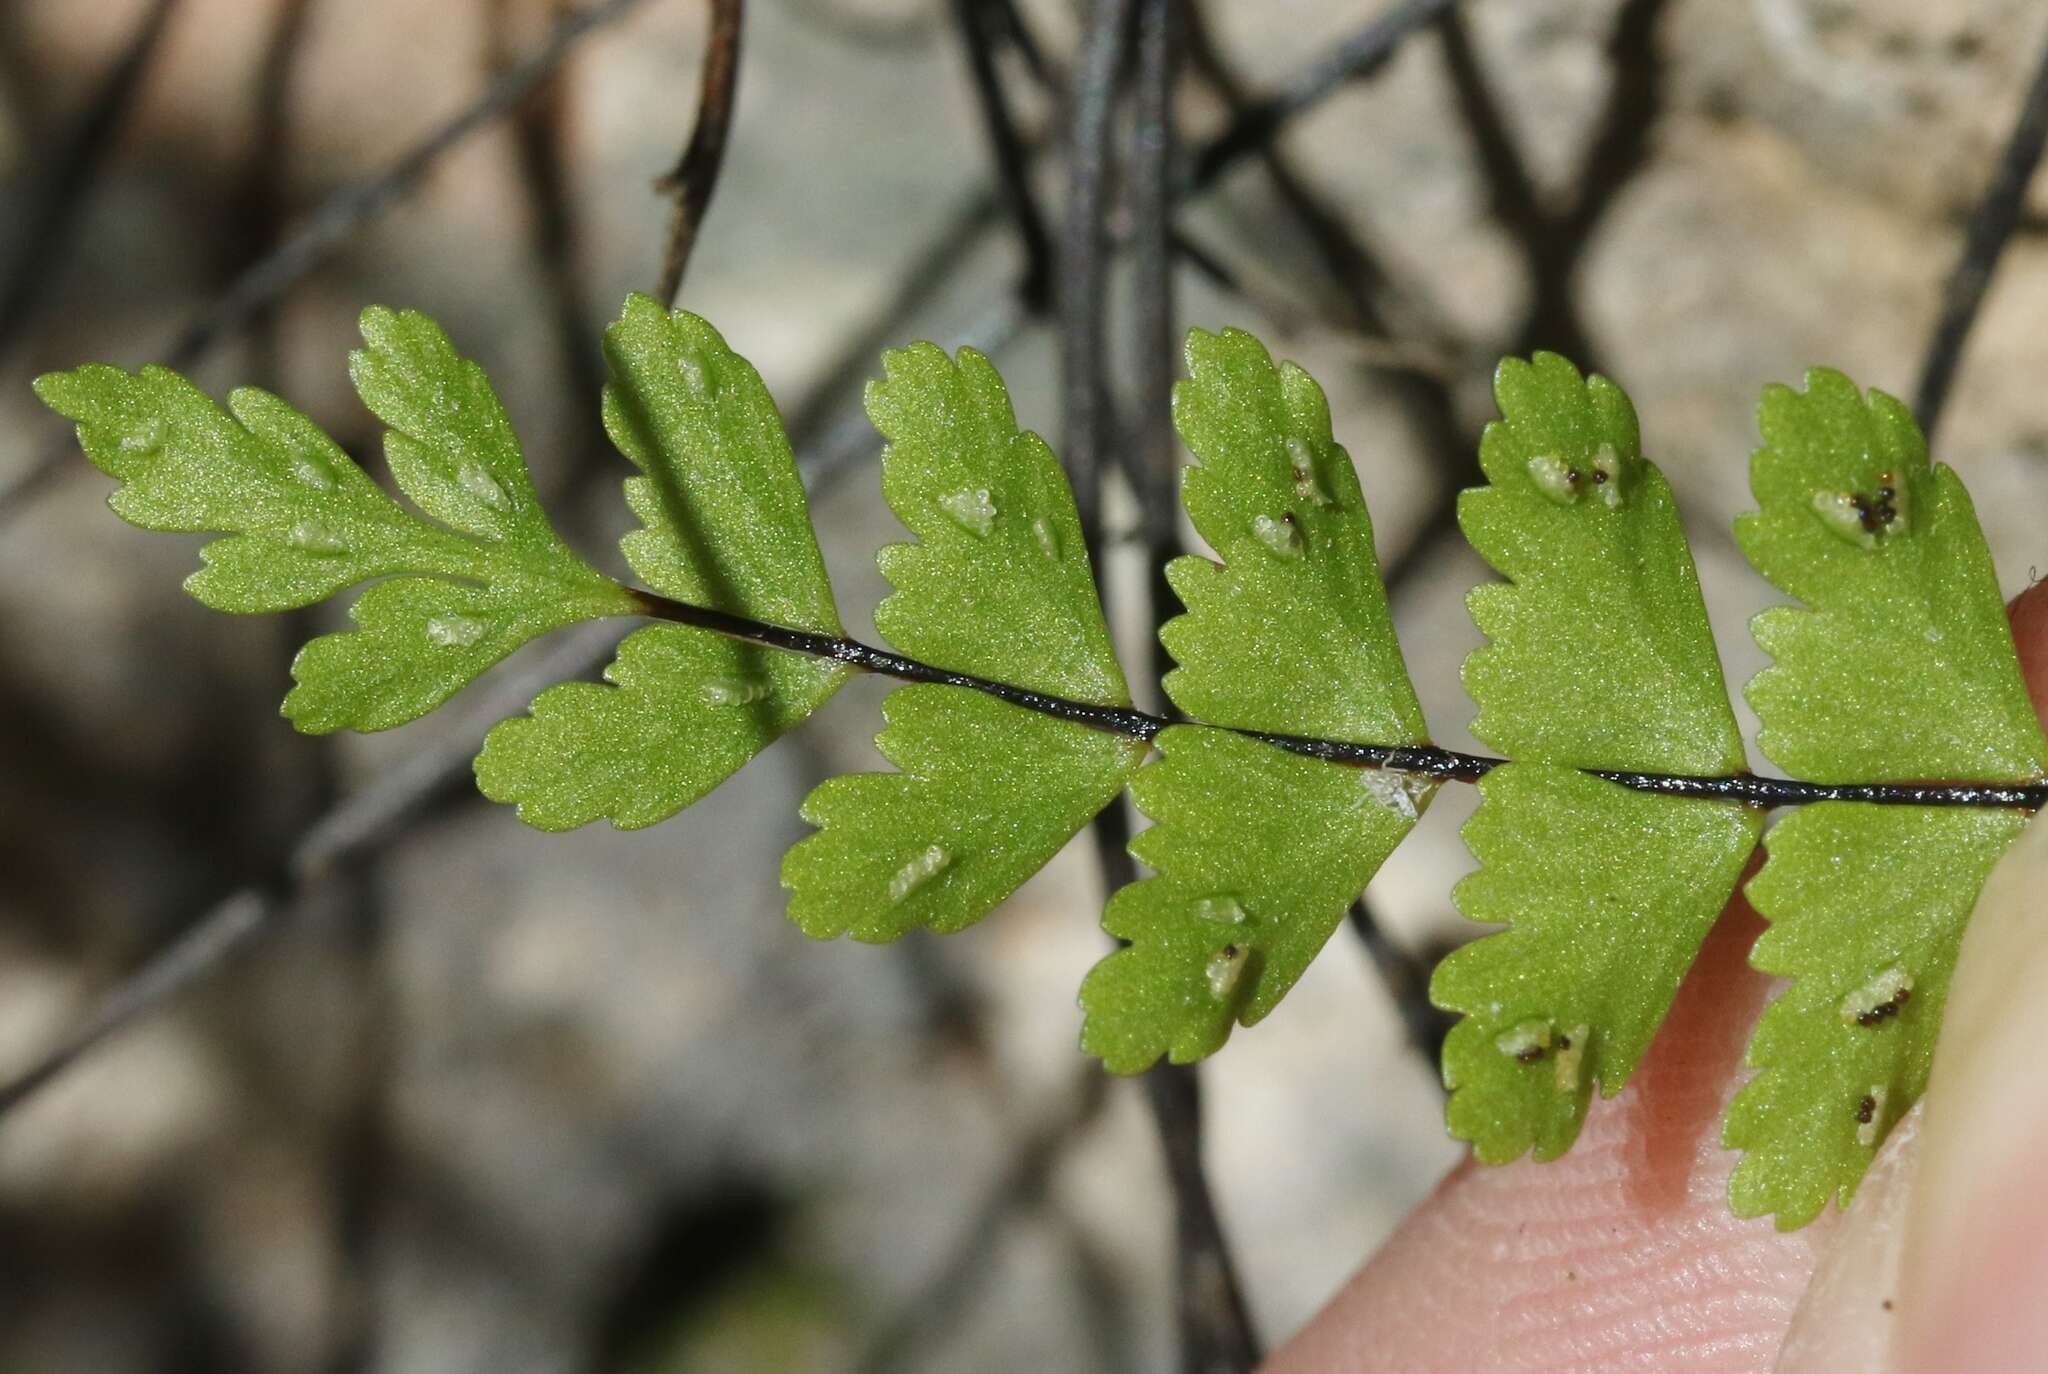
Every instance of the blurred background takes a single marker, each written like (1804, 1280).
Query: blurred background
(449, 1095)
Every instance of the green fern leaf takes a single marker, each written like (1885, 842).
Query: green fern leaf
(418, 641)
(306, 522)
(997, 585)
(1291, 633)
(1900, 665)
(450, 444)
(1609, 892)
(986, 794)
(1866, 903)
(1600, 656)
(1258, 851)
(1258, 854)
(725, 525)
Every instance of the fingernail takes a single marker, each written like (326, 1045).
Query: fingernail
(1973, 1295)
(1849, 1316)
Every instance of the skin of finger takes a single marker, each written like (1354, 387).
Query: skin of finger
(2029, 612)
(1558, 1267)
(1621, 1255)
(1975, 1267)
(1973, 1228)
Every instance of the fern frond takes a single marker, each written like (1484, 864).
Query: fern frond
(998, 584)
(1258, 853)
(1290, 633)
(1599, 656)
(985, 796)
(724, 524)
(305, 522)
(1900, 664)
(1607, 840)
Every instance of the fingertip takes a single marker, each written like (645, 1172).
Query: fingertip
(1849, 1316)
(2029, 615)
(1621, 1254)
(1978, 1228)
(1624, 1252)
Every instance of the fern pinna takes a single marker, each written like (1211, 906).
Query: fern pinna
(1305, 760)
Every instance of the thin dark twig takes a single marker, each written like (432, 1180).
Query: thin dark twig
(75, 169)
(1621, 144)
(1153, 148)
(540, 129)
(263, 206)
(978, 21)
(1097, 1279)
(197, 950)
(354, 205)
(1991, 227)
(1215, 1321)
(344, 212)
(350, 208)
(358, 1138)
(696, 171)
(352, 829)
(363, 1139)
(1353, 268)
(1215, 1325)
(1084, 256)
(1084, 272)
(1406, 978)
(846, 434)
(1510, 186)
(1550, 244)
(1030, 51)
(1362, 54)
(1022, 1181)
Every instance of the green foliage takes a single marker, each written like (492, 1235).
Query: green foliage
(1901, 664)
(683, 712)
(1898, 665)
(1258, 852)
(724, 524)
(1847, 934)
(987, 794)
(1599, 657)
(1291, 633)
(1609, 892)
(998, 582)
(307, 522)
(999, 585)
